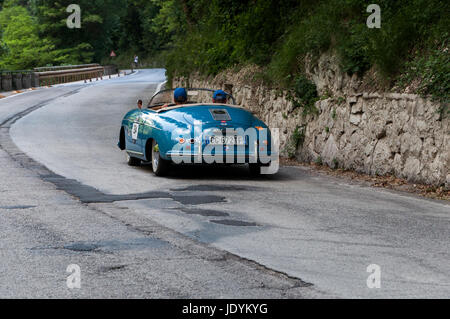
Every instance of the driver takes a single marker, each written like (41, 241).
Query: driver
(179, 97)
(220, 97)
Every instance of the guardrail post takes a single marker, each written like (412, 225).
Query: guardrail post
(7, 84)
(26, 80)
(17, 81)
(35, 80)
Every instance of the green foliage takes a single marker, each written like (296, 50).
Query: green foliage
(340, 101)
(341, 25)
(333, 114)
(310, 33)
(304, 95)
(319, 160)
(335, 163)
(208, 36)
(415, 22)
(353, 49)
(281, 37)
(226, 33)
(297, 139)
(35, 33)
(432, 72)
(100, 23)
(21, 46)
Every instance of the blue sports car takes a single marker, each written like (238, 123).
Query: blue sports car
(196, 126)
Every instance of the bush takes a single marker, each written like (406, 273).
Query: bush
(304, 95)
(297, 139)
(432, 71)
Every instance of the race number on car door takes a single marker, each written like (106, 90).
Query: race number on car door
(135, 131)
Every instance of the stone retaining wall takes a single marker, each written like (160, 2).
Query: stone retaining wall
(374, 133)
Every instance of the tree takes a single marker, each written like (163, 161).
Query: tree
(22, 48)
(100, 21)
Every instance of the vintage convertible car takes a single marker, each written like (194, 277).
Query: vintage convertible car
(196, 132)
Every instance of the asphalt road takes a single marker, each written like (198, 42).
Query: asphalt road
(320, 231)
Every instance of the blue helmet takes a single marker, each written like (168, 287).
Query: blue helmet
(220, 95)
(180, 95)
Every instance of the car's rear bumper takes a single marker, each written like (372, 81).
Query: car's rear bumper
(220, 158)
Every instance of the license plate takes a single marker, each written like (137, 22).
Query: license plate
(227, 140)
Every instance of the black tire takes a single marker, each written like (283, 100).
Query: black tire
(255, 169)
(160, 166)
(133, 161)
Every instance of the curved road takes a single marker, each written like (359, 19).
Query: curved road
(319, 230)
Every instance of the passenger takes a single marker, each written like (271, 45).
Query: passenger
(139, 104)
(220, 97)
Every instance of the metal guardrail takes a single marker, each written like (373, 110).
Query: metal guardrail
(44, 76)
(69, 75)
(110, 69)
(65, 67)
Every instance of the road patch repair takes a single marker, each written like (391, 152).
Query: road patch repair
(86, 194)
(204, 212)
(239, 223)
(16, 207)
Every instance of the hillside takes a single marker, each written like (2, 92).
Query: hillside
(409, 52)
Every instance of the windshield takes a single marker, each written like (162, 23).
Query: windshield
(194, 96)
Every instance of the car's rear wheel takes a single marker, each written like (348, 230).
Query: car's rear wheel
(133, 161)
(160, 166)
(255, 169)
